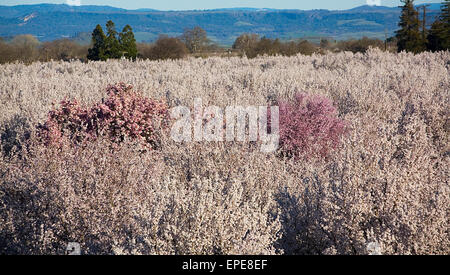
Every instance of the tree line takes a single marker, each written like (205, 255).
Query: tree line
(412, 36)
(195, 42)
(27, 48)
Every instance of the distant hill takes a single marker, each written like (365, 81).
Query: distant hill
(367, 8)
(23, 10)
(52, 21)
(145, 10)
(244, 9)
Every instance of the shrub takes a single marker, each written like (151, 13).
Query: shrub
(13, 134)
(62, 49)
(120, 202)
(309, 126)
(144, 50)
(306, 48)
(27, 46)
(123, 114)
(252, 46)
(168, 48)
(387, 183)
(246, 43)
(361, 45)
(267, 46)
(7, 52)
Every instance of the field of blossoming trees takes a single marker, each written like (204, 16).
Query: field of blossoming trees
(86, 156)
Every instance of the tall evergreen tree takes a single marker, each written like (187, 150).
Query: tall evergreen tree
(445, 12)
(97, 52)
(409, 37)
(445, 18)
(128, 43)
(112, 45)
(435, 36)
(439, 35)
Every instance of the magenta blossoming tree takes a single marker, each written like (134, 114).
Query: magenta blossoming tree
(309, 127)
(123, 114)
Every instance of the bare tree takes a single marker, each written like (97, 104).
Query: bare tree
(62, 49)
(246, 43)
(27, 45)
(196, 39)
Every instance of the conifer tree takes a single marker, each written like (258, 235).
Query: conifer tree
(445, 18)
(435, 35)
(409, 37)
(97, 52)
(112, 45)
(439, 34)
(128, 43)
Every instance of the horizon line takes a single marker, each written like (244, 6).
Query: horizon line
(210, 9)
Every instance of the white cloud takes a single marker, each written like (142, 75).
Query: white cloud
(373, 2)
(73, 2)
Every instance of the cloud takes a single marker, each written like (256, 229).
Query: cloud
(373, 2)
(73, 2)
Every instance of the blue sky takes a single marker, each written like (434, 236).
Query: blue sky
(212, 4)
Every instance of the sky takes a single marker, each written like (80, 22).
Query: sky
(214, 4)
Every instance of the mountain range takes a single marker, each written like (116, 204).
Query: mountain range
(54, 21)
